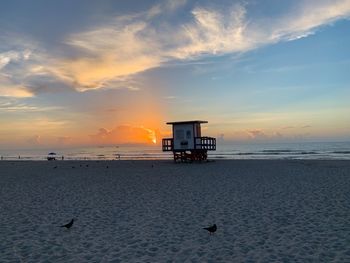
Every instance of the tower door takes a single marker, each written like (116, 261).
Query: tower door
(183, 137)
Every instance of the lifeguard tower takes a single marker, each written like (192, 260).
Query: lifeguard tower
(187, 143)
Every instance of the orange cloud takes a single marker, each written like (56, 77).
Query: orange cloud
(113, 52)
(34, 140)
(127, 45)
(256, 134)
(8, 89)
(64, 140)
(126, 134)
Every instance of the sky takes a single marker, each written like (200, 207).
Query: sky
(84, 72)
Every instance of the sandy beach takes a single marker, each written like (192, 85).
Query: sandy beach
(154, 211)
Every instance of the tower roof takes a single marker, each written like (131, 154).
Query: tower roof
(186, 122)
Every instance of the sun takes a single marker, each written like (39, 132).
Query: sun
(154, 140)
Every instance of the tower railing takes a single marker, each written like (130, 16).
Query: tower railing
(201, 143)
(205, 143)
(167, 144)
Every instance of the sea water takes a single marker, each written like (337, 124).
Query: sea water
(304, 150)
(225, 150)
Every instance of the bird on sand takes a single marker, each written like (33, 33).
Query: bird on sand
(211, 229)
(69, 225)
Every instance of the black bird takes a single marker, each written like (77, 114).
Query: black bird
(55, 167)
(69, 225)
(211, 229)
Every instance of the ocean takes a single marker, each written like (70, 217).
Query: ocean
(304, 150)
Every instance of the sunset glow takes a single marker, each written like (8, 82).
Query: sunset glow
(114, 72)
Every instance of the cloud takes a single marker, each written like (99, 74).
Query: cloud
(109, 55)
(112, 52)
(221, 137)
(8, 86)
(170, 97)
(309, 16)
(129, 45)
(287, 127)
(17, 105)
(25, 72)
(168, 6)
(214, 32)
(63, 140)
(7, 57)
(230, 31)
(14, 105)
(35, 140)
(277, 135)
(125, 134)
(266, 136)
(134, 44)
(256, 134)
(14, 91)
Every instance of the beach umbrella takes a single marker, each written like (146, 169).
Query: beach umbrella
(51, 156)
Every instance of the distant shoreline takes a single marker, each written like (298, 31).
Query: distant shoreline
(171, 161)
